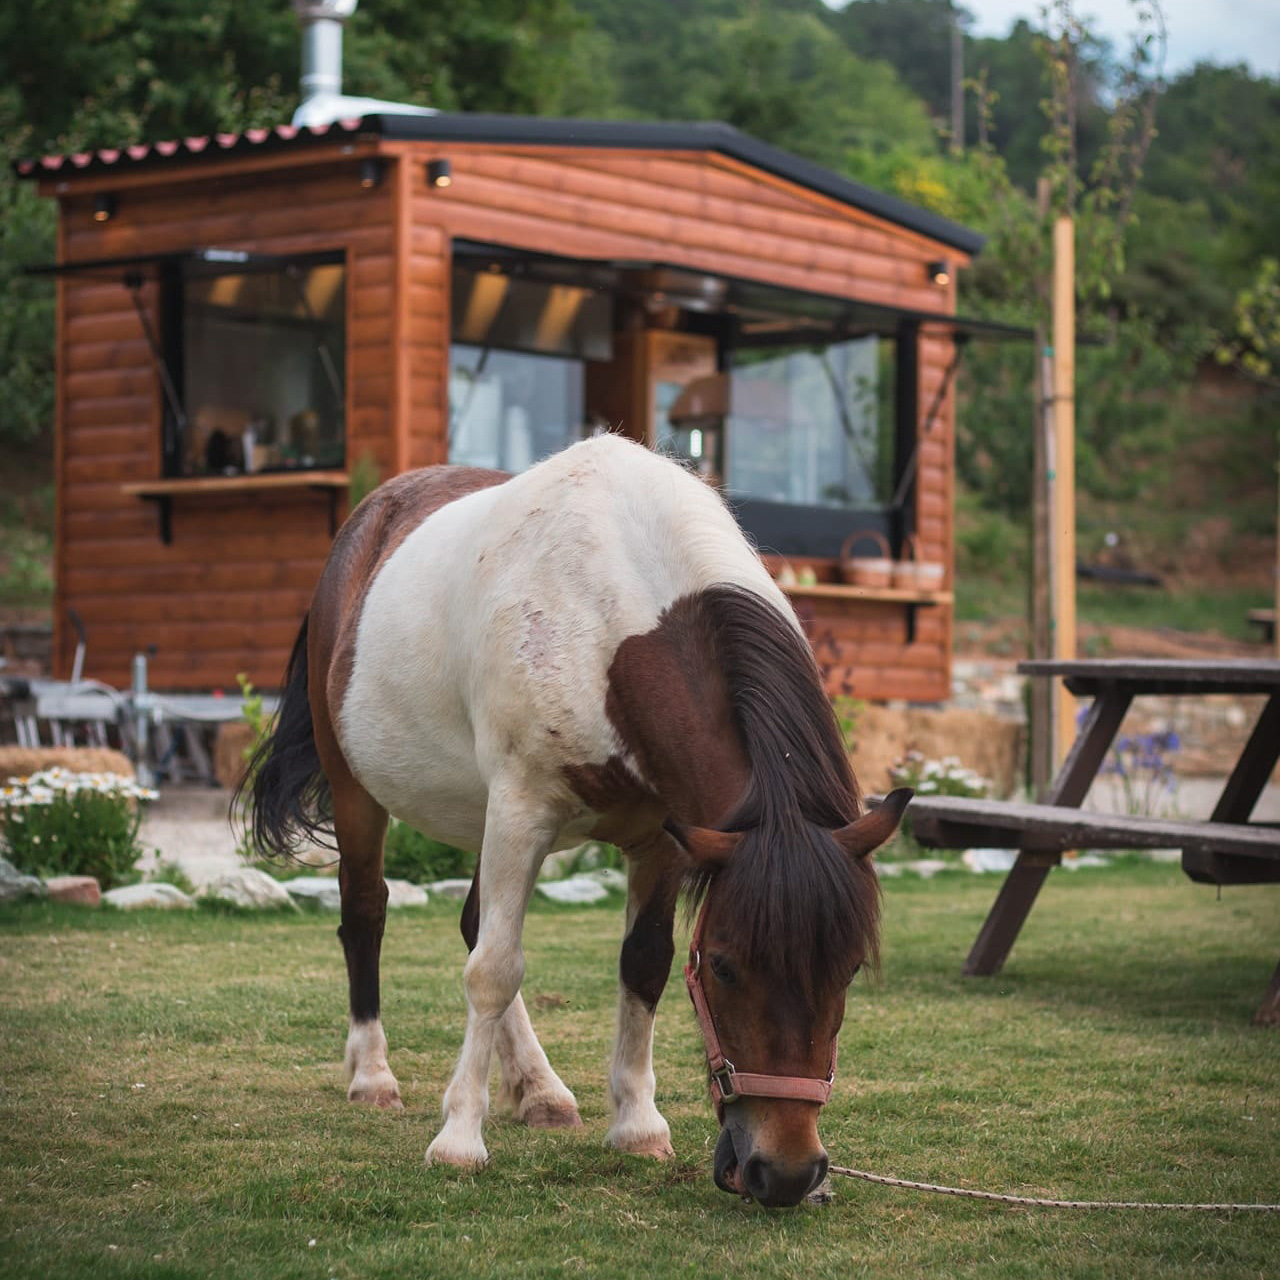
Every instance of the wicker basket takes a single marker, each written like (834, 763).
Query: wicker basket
(913, 574)
(866, 571)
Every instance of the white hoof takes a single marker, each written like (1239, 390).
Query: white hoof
(548, 1105)
(649, 1138)
(462, 1153)
(370, 1078)
(377, 1088)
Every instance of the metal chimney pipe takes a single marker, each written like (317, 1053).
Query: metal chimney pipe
(323, 101)
(322, 22)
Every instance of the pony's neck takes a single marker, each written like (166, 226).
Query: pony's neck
(669, 703)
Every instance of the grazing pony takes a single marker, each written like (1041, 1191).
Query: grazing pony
(588, 650)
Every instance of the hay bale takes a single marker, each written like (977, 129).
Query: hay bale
(21, 762)
(233, 740)
(988, 744)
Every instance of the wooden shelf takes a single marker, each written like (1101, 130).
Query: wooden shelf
(185, 485)
(885, 595)
(163, 492)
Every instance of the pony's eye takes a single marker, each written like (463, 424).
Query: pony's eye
(856, 968)
(723, 970)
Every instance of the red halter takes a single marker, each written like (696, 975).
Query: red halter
(727, 1082)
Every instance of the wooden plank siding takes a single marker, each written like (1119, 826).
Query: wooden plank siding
(227, 594)
(704, 211)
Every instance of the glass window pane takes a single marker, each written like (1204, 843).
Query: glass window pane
(509, 410)
(263, 355)
(813, 427)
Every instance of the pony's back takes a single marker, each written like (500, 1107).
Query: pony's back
(486, 637)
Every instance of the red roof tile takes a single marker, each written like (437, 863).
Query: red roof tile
(105, 157)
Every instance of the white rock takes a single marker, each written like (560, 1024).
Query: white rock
(404, 893)
(980, 860)
(578, 889)
(321, 890)
(926, 868)
(152, 894)
(249, 887)
(450, 888)
(610, 877)
(1086, 860)
(13, 884)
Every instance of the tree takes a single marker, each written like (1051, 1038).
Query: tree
(794, 84)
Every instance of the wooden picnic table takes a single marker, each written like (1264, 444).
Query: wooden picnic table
(1226, 849)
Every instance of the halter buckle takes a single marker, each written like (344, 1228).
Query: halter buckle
(723, 1076)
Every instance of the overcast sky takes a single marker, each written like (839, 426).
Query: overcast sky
(1199, 30)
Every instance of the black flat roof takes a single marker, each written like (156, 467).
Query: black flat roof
(636, 135)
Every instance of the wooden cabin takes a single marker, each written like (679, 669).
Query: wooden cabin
(250, 325)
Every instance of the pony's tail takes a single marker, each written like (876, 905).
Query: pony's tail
(283, 800)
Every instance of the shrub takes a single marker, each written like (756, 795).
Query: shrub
(1140, 770)
(261, 725)
(57, 822)
(945, 777)
(412, 856)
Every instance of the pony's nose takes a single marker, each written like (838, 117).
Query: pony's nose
(777, 1185)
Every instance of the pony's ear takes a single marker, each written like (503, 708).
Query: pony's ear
(706, 847)
(875, 826)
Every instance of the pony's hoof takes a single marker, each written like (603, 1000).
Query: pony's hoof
(657, 1146)
(387, 1100)
(551, 1115)
(376, 1092)
(470, 1157)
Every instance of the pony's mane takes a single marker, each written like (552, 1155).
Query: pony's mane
(795, 895)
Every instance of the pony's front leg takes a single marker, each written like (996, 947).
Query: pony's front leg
(644, 965)
(515, 842)
(530, 1087)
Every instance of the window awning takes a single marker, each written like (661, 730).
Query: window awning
(195, 263)
(763, 314)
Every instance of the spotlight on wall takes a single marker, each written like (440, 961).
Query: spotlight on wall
(104, 207)
(370, 172)
(939, 271)
(439, 174)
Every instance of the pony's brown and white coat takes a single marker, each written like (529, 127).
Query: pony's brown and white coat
(589, 648)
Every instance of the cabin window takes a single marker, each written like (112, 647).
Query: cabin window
(258, 345)
(517, 364)
(813, 426)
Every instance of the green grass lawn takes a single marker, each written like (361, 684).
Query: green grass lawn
(172, 1100)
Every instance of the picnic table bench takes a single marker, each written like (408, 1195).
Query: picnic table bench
(1226, 849)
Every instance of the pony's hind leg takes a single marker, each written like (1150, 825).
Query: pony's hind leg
(360, 824)
(531, 1089)
(644, 965)
(516, 839)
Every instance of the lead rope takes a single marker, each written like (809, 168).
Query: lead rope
(1047, 1204)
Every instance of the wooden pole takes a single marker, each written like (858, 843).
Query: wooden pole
(1063, 509)
(1040, 692)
